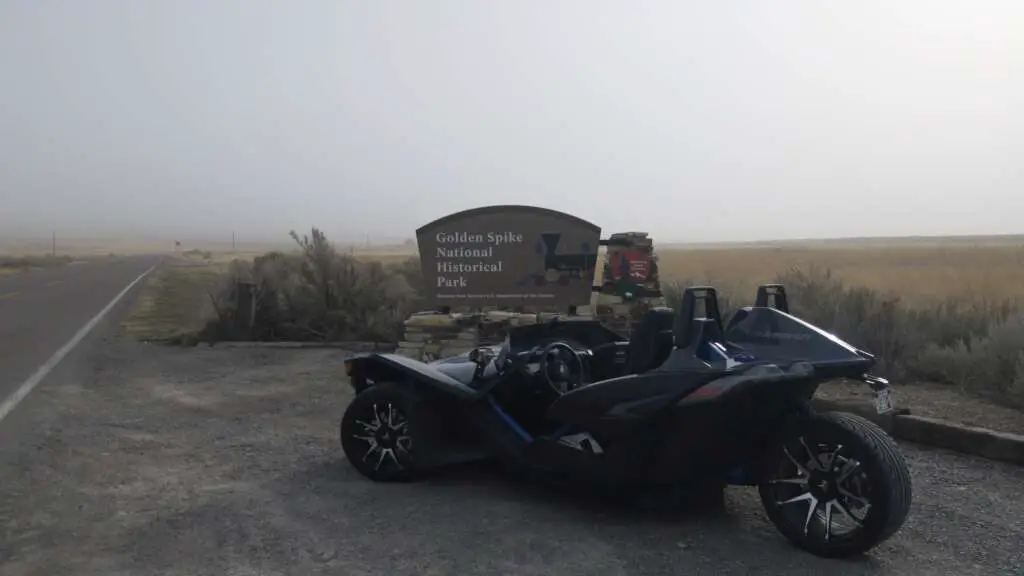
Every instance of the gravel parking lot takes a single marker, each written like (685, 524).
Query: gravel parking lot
(151, 460)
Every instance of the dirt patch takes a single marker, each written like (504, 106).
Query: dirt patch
(176, 301)
(936, 401)
(205, 461)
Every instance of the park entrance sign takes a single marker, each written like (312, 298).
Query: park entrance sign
(509, 256)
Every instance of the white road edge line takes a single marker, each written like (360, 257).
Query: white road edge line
(12, 401)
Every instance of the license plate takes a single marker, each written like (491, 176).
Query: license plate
(883, 402)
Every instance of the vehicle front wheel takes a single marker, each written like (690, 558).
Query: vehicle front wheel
(836, 485)
(378, 433)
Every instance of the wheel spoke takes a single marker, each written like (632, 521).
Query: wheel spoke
(373, 448)
(842, 509)
(390, 452)
(806, 496)
(812, 506)
(800, 467)
(812, 459)
(858, 500)
(828, 519)
(833, 457)
(403, 443)
(849, 468)
(367, 427)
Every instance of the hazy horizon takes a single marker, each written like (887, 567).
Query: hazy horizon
(697, 122)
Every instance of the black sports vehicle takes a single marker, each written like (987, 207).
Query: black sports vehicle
(684, 408)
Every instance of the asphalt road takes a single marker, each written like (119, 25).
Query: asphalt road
(41, 310)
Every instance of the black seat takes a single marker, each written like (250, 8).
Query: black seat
(692, 328)
(652, 341)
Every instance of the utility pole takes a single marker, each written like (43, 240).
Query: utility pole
(232, 242)
(53, 245)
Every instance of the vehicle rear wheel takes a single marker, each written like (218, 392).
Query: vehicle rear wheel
(836, 486)
(378, 433)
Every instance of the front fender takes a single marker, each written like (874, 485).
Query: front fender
(367, 369)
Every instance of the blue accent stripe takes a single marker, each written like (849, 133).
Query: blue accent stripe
(508, 420)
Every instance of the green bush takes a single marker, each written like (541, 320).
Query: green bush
(316, 293)
(975, 345)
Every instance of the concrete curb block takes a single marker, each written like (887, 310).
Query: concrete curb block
(349, 346)
(1001, 446)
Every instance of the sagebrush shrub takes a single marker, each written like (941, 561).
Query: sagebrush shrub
(318, 293)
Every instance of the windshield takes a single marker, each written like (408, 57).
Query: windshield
(771, 335)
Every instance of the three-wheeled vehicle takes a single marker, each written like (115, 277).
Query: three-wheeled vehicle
(686, 406)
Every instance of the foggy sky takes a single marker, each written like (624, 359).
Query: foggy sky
(696, 121)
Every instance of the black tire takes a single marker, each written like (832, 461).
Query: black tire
(377, 464)
(868, 457)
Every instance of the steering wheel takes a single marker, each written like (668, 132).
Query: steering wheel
(562, 367)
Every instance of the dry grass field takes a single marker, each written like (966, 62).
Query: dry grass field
(918, 273)
(81, 247)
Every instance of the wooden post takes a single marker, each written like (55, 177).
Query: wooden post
(245, 309)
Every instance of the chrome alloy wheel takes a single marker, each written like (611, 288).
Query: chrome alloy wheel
(386, 434)
(823, 490)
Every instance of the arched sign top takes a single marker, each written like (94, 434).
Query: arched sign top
(509, 256)
(519, 209)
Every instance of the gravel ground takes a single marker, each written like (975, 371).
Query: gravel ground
(226, 462)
